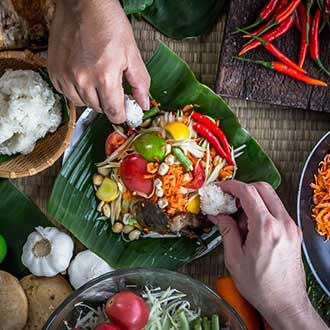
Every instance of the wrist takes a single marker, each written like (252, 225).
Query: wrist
(301, 316)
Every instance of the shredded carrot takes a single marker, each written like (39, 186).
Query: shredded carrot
(154, 103)
(227, 172)
(127, 196)
(149, 176)
(321, 198)
(172, 181)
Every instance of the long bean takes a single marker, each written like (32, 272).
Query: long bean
(215, 322)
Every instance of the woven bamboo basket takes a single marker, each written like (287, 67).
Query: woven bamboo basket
(52, 146)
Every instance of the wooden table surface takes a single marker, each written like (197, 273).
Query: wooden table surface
(287, 134)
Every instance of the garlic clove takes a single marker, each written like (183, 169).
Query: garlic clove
(85, 267)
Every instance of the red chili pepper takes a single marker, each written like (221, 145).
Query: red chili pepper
(327, 7)
(277, 52)
(283, 15)
(283, 68)
(199, 177)
(297, 22)
(206, 133)
(216, 130)
(280, 7)
(315, 41)
(303, 41)
(283, 28)
(265, 13)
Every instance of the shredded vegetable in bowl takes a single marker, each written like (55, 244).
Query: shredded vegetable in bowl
(161, 310)
(154, 177)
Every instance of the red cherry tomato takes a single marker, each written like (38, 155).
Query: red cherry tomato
(107, 326)
(113, 142)
(132, 171)
(128, 310)
(199, 177)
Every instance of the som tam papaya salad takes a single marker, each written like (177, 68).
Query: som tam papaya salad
(159, 179)
(154, 309)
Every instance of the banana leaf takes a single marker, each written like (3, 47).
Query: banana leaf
(73, 201)
(18, 218)
(177, 19)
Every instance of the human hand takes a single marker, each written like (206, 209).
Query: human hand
(91, 48)
(263, 254)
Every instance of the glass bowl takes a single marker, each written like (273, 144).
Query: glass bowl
(97, 291)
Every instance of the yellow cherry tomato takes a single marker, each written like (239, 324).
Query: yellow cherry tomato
(108, 191)
(194, 206)
(178, 130)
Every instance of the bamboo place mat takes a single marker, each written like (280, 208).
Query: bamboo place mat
(286, 134)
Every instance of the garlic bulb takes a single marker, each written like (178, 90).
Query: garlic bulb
(47, 251)
(86, 266)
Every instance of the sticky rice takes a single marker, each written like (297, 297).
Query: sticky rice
(215, 201)
(28, 111)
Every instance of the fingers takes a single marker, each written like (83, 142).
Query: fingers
(271, 199)
(249, 198)
(90, 98)
(230, 235)
(70, 91)
(139, 79)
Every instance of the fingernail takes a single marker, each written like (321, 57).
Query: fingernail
(146, 103)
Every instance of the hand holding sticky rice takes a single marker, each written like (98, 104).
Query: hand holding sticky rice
(91, 50)
(263, 255)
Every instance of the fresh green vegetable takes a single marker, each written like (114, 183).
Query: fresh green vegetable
(184, 324)
(215, 322)
(206, 324)
(3, 249)
(151, 113)
(16, 224)
(177, 19)
(183, 159)
(150, 146)
(73, 202)
(198, 324)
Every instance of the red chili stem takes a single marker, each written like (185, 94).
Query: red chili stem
(264, 14)
(303, 42)
(206, 133)
(276, 52)
(315, 41)
(283, 28)
(216, 130)
(285, 69)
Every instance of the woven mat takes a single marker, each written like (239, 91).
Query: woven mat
(286, 134)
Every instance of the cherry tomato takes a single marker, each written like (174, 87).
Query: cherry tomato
(107, 326)
(132, 171)
(113, 142)
(199, 177)
(150, 146)
(128, 310)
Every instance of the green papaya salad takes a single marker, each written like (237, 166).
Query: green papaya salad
(159, 179)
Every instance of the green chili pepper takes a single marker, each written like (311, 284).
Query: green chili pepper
(183, 159)
(215, 322)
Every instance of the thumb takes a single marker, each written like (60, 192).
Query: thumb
(229, 230)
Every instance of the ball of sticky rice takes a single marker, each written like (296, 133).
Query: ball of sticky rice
(134, 113)
(215, 201)
(28, 111)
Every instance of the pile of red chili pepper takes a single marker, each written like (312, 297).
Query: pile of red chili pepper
(275, 19)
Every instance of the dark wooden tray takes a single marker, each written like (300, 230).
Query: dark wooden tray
(251, 82)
